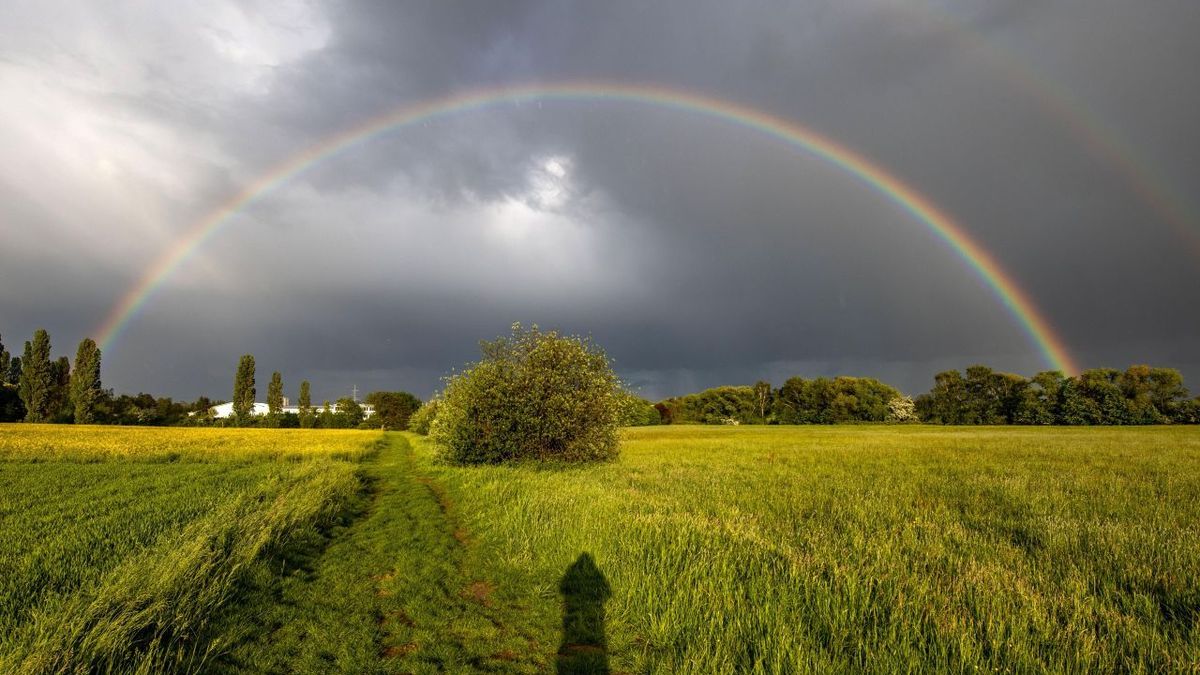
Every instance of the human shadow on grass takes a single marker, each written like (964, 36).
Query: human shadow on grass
(584, 647)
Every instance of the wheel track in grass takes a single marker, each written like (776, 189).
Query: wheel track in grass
(388, 592)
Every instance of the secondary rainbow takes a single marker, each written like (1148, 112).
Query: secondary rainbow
(1099, 138)
(1006, 290)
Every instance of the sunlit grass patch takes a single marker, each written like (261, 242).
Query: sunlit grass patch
(117, 553)
(50, 442)
(860, 548)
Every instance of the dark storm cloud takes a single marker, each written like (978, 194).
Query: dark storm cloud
(696, 251)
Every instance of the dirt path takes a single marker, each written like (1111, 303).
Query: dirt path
(385, 592)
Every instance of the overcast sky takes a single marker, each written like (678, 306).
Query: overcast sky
(696, 251)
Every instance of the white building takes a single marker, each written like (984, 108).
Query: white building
(226, 409)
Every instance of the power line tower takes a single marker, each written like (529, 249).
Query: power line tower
(354, 393)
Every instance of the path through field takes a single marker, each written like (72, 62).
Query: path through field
(385, 593)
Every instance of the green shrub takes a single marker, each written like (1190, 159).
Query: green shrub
(423, 417)
(637, 411)
(534, 395)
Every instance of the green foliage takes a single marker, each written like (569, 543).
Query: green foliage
(423, 418)
(38, 379)
(274, 401)
(326, 419)
(306, 417)
(348, 414)
(637, 411)
(392, 409)
(60, 391)
(840, 400)
(1041, 401)
(13, 376)
(142, 409)
(5, 364)
(534, 395)
(243, 390)
(1101, 396)
(719, 405)
(86, 391)
(11, 408)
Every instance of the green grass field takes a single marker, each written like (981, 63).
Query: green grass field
(702, 549)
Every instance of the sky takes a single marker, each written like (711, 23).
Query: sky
(697, 251)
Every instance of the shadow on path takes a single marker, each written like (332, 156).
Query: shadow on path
(584, 647)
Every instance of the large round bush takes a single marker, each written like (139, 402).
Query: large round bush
(533, 395)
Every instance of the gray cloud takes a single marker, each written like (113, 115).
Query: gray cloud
(698, 252)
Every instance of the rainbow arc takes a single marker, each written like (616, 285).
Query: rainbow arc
(1051, 347)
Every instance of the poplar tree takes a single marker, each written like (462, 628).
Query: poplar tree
(5, 362)
(37, 378)
(13, 377)
(60, 390)
(275, 398)
(305, 403)
(243, 390)
(23, 384)
(85, 381)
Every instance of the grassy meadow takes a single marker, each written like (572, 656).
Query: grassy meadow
(701, 549)
(121, 543)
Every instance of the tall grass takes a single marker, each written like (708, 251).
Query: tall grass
(120, 561)
(875, 549)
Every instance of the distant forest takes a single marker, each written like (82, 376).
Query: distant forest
(1102, 396)
(35, 387)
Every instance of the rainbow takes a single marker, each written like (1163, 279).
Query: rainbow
(1006, 290)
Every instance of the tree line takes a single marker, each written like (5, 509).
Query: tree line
(1105, 396)
(392, 408)
(799, 401)
(980, 395)
(36, 387)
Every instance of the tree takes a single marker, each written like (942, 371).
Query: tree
(826, 401)
(717, 405)
(762, 398)
(792, 404)
(13, 377)
(243, 390)
(85, 382)
(60, 390)
(11, 408)
(1153, 395)
(326, 420)
(37, 378)
(5, 362)
(1101, 387)
(948, 400)
(533, 395)
(349, 413)
(275, 398)
(902, 409)
(306, 410)
(1041, 400)
(1167, 392)
(393, 408)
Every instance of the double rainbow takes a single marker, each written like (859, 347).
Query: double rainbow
(1006, 290)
